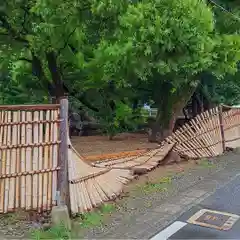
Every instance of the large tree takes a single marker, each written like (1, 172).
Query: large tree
(157, 49)
(165, 47)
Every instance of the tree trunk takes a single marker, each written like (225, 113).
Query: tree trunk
(168, 111)
(56, 75)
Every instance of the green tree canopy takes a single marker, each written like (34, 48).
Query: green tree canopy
(128, 51)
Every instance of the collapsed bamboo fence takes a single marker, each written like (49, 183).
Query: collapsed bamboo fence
(208, 134)
(37, 160)
(231, 127)
(142, 163)
(91, 186)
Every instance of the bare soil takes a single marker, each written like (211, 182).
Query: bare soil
(160, 172)
(98, 145)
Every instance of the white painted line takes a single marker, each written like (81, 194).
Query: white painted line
(169, 231)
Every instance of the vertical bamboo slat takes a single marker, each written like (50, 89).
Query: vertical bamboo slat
(3, 156)
(18, 161)
(46, 200)
(40, 164)
(28, 162)
(8, 164)
(23, 157)
(50, 159)
(13, 164)
(35, 161)
(55, 137)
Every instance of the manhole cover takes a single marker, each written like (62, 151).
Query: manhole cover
(214, 219)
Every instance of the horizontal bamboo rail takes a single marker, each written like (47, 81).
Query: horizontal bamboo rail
(42, 107)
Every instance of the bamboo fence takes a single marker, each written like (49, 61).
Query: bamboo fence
(201, 137)
(208, 134)
(29, 142)
(91, 186)
(231, 126)
(38, 162)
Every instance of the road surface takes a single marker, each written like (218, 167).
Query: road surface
(225, 199)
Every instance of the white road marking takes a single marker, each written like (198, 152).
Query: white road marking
(169, 231)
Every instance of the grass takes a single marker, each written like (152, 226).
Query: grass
(84, 221)
(206, 163)
(58, 233)
(159, 185)
(96, 218)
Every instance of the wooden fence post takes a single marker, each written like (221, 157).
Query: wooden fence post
(220, 114)
(63, 186)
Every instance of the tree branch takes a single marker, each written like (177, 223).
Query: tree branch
(11, 32)
(25, 59)
(24, 20)
(66, 42)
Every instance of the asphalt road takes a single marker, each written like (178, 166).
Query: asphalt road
(225, 199)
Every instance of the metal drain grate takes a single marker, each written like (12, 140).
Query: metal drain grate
(214, 219)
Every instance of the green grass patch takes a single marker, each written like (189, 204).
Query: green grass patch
(160, 185)
(58, 233)
(96, 218)
(84, 221)
(206, 163)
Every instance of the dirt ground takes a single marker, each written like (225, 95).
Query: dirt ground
(160, 172)
(98, 145)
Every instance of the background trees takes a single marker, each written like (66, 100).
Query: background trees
(111, 57)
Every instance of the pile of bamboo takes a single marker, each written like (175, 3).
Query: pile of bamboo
(201, 137)
(139, 164)
(28, 157)
(91, 186)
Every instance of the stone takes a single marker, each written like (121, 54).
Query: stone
(60, 216)
(172, 157)
(46, 226)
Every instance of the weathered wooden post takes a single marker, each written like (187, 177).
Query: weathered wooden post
(220, 114)
(60, 213)
(63, 186)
